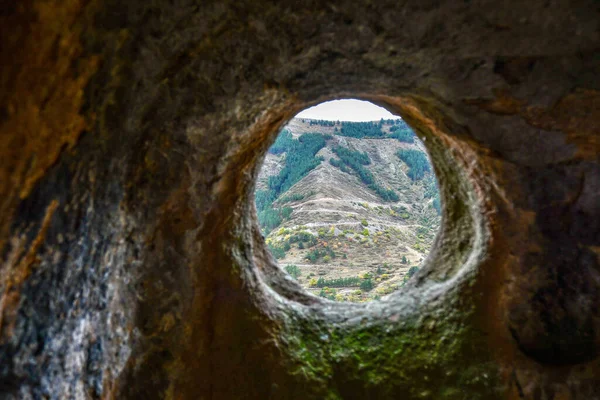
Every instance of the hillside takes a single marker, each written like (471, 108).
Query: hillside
(348, 209)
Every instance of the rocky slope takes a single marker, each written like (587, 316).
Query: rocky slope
(337, 236)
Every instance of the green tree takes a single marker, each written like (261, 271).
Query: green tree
(402, 133)
(412, 271)
(366, 284)
(293, 270)
(283, 142)
(300, 159)
(277, 251)
(418, 164)
(355, 160)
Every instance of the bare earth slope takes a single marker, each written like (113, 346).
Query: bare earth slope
(340, 228)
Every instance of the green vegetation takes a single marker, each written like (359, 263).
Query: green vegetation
(293, 270)
(417, 162)
(339, 164)
(431, 186)
(422, 232)
(283, 142)
(403, 133)
(277, 251)
(355, 160)
(295, 197)
(366, 284)
(328, 293)
(300, 159)
(314, 255)
(432, 190)
(373, 130)
(362, 129)
(365, 232)
(412, 271)
(271, 218)
(339, 282)
(321, 122)
(437, 204)
(303, 238)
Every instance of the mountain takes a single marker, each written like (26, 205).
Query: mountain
(349, 209)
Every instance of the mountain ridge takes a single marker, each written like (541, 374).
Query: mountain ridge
(356, 214)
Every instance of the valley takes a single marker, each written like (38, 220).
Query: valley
(350, 210)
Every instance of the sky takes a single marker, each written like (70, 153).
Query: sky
(347, 110)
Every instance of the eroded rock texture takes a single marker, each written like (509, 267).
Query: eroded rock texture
(132, 266)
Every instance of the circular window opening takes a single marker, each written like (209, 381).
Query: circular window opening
(347, 201)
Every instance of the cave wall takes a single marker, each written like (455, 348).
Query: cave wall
(132, 265)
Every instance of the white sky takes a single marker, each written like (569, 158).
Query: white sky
(347, 110)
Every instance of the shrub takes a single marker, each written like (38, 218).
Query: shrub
(412, 271)
(292, 197)
(317, 253)
(293, 270)
(366, 285)
(304, 236)
(277, 251)
(328, 293)
(364, 222)
(338, 282)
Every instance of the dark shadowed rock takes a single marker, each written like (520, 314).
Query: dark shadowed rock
(131, 134)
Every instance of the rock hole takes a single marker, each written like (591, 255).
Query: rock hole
(347, 201)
